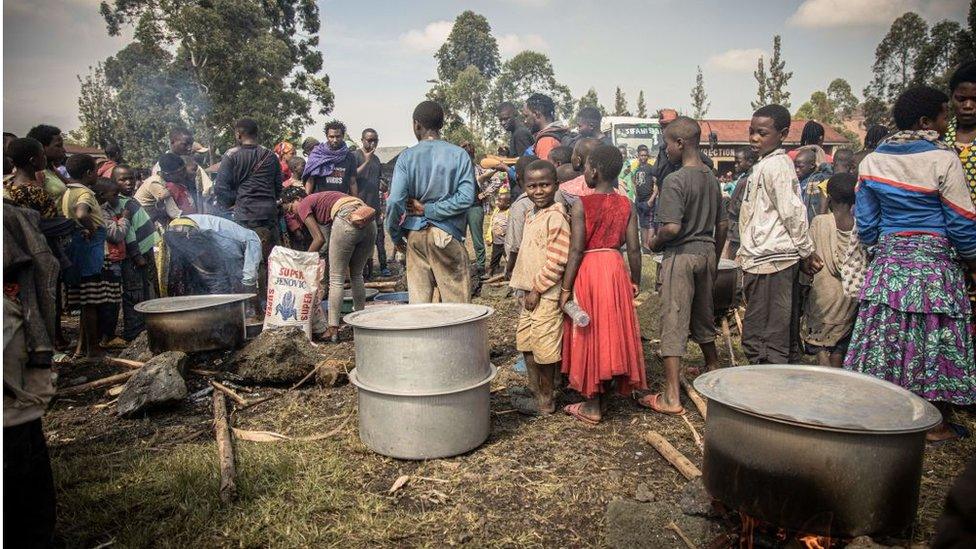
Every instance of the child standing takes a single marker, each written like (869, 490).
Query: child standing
(609, 348)
(828, 316)
(86, 287)
(692, 234)
(497, 227)
(538, 271)
(774, 239)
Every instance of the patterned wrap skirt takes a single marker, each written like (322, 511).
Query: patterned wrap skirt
(913, 324)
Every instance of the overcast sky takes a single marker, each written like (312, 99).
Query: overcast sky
(379, 54)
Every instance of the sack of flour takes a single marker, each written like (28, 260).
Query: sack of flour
(294, 288)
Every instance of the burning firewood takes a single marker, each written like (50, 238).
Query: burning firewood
(672, 455)
(225, 449)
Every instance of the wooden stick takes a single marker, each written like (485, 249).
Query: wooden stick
(738, 320)
(225, 449)
(104, 382)
(125, 362)
(681, 534)
(728, 339)
(496, 278)
(694, 433)
(241, 401)
(204, 372)
(674, 457)
(381, 285)
(699, 402)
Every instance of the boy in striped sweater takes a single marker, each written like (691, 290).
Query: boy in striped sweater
(538, 270)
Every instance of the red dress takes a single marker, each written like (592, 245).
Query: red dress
(610, 346)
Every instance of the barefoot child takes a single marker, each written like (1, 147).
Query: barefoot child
(828, 317)
(692, 235)
(538, 272)
(609, 348)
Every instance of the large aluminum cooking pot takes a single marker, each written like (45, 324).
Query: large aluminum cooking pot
(728, 280)
(194, 322)
(422, 348)
(424, 425)
(815, 450)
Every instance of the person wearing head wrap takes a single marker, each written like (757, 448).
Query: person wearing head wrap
(285, 151)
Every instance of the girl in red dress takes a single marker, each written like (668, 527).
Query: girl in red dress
(609, 348)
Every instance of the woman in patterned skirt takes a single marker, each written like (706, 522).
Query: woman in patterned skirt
(913, 326)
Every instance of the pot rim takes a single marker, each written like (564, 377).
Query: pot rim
(155, 306)
(354, 379)
(928, 416)
(354, 319)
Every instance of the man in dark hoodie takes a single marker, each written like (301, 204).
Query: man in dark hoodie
(540, 113)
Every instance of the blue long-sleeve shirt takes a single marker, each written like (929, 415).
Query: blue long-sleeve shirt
(236, 243)
(915, 187)
(440, 175)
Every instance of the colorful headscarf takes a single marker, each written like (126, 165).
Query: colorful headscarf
(283, 148)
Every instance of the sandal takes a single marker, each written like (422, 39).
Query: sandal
(958, 432)
(651, 401)
(574, 411)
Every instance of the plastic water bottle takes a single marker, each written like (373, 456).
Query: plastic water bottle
(579, 316)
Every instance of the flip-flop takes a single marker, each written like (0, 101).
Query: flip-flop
(650, 401)
(573, 410)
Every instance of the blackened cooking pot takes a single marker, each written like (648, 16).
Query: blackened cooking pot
(815, 450)
(195, 322)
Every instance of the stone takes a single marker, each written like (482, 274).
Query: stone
(644, 493)
(492, 291)
(638, 525)
(695, 500)
(158, 383)
(276, 357)
(138, 349)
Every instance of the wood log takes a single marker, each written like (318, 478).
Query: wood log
(496, 278)
(104, 382)
(728, 339)
(135, 364)
(381, 285)
(700, 403)
(672, 455)
(225, 449)
(241, 401)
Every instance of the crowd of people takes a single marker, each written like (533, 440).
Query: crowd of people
(861, 259)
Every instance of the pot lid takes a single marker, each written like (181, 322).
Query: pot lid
(819, 397)
(188, 303)
(417, 317)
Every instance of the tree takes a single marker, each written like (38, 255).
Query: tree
(778, 77)
(469, 95)
(762, 94)
(641, 105)
(531, 72)
(234, 58)
(97, 109)
(589, 99)
(896, 56)
(819, 108)
(842, 98)
(966, 45)
(620, 104)
(875, 111)
(940, 56)
(699, 99)
(469, 44)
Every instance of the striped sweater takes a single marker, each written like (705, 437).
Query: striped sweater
(544, 252)
(915, 186)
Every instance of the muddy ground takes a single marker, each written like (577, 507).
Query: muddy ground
(536, 482)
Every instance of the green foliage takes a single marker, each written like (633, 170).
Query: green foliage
(762, 94)
(469, 44)
(97, 109)
(818, 108)
(641, 105)
(940, 56)
(531, 72)
(620, 104)
(779, 77)
(225, 59)
(842, 97)
(896, 56)
(699, 99)
(590, 99)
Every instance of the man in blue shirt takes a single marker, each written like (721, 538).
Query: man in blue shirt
(426, 214)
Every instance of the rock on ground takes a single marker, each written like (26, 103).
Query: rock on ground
(138, 349)
(278, 356)
(645, 525)
(159, 382)
(694, 499)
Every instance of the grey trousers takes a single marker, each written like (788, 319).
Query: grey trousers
(772, 319)
(435, 259)
(349, 250)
